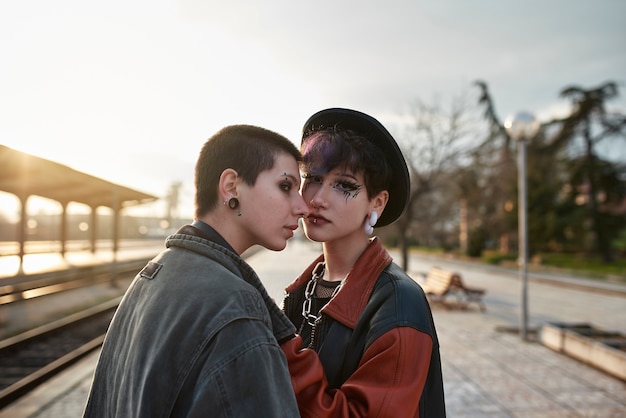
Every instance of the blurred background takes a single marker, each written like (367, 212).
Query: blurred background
(128, 91)
(104, 107)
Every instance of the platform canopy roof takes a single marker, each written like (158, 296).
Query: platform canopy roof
(24, 175)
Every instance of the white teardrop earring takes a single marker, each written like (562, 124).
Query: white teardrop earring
(371, 221)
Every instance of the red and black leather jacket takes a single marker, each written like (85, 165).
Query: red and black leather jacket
(375, 352)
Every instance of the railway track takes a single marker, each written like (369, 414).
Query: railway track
(31, 358)
(34, 356)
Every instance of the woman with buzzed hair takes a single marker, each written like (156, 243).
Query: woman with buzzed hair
(196, 333)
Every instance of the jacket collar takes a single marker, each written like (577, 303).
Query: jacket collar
(192, 238)
(349, 302)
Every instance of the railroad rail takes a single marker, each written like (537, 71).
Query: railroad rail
(20, 288)
(34, 356)
(31, 358)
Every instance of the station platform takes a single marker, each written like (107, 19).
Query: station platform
(45, 261)
(31, 313)
(488, 370)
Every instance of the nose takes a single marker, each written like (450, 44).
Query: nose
(317, 200)
(301, 209)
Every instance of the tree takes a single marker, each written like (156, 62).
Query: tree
(458, 185)
(558, 174)
(433, 148)
(497, 203)
(591, 123)
(491, 198)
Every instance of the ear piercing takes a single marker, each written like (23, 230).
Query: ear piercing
(233, 203)
(371, 221)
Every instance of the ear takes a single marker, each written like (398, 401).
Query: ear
(379, 202)
(229, 180)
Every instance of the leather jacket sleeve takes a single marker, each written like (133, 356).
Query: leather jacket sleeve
(388, 382)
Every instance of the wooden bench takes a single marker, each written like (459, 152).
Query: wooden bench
(439, 284)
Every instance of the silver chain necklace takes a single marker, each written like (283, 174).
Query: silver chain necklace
(309, 291)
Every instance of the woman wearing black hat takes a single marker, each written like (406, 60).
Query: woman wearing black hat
(366, 342)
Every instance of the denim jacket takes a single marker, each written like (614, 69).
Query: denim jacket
(194, 336)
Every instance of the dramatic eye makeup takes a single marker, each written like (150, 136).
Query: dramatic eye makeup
(348, 188)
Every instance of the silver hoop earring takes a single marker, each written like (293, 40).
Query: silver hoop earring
(371, 221)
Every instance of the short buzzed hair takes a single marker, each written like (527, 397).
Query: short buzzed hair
(247, 149)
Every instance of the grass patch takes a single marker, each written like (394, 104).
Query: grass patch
(585, 264)
(497, 258)
(580, 265)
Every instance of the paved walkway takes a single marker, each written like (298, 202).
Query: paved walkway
(487, 372)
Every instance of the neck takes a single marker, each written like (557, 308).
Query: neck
(220, 221)
(341, 257)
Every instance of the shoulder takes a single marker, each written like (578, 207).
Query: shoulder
(393, 282)
(206, 286)
(397, 300)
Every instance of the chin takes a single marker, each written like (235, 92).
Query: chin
(311, 236)
(277, 247)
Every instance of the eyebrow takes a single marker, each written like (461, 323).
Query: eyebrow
(295, 179)
(344, 174)
(339, 174)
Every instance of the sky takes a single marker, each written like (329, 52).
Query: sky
(129, 90)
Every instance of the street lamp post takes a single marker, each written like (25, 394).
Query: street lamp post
(522, 127)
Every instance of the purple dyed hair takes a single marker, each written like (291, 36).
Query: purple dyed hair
(330, 148)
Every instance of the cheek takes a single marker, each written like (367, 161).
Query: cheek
(308, 191)
(275, 207)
